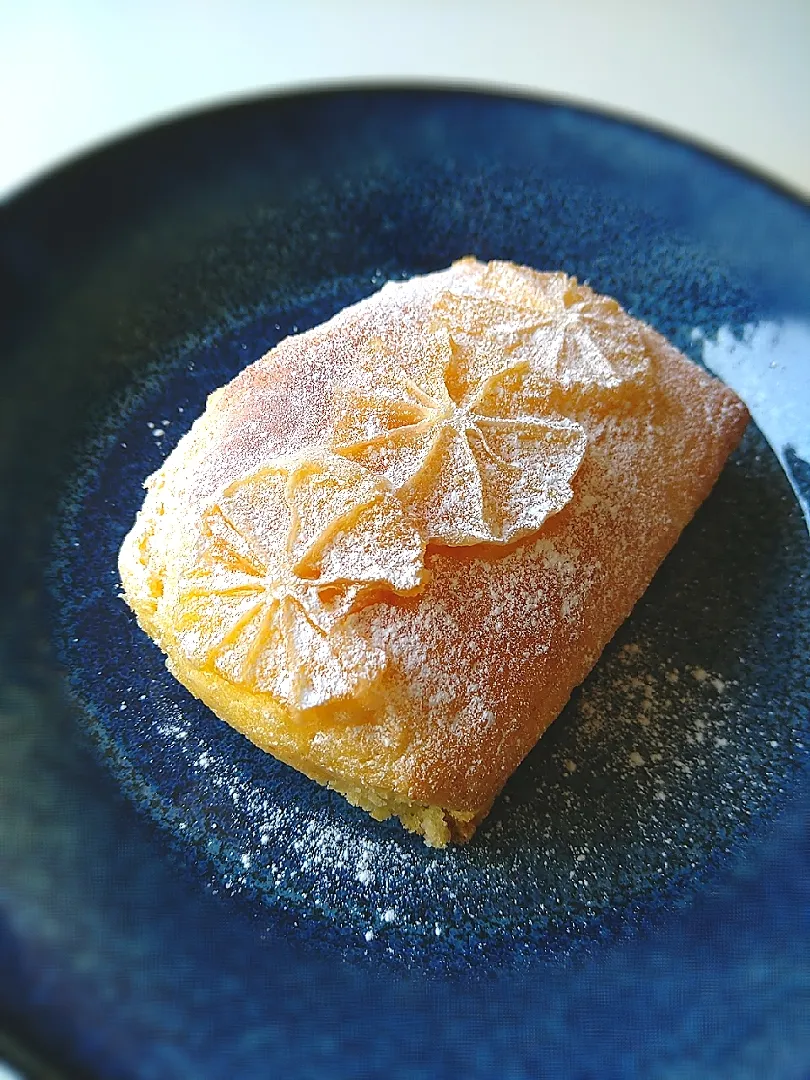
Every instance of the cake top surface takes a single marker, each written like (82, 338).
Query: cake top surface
(442, 413)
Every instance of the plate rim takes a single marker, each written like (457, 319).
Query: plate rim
(86, 156)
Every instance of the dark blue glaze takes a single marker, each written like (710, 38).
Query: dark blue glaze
(173, 903)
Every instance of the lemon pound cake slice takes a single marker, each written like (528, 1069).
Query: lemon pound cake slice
(389, 549)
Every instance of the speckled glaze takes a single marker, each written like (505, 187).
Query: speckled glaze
(174, 903)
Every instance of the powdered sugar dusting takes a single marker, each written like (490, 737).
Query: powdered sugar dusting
(696, 739)
(470, 458)
(570, 336)
(250, 598)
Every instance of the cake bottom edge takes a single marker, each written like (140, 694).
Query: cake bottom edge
(438, 825)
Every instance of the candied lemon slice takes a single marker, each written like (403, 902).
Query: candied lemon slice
(278, 564)
(571, 337)
(451, 434)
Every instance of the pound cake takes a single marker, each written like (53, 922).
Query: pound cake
(389, 550)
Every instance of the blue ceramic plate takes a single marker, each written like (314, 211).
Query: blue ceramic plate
(174, 903)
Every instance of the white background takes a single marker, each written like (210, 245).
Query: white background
(733, 73)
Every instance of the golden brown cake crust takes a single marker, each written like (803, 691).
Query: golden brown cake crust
(615, 441)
